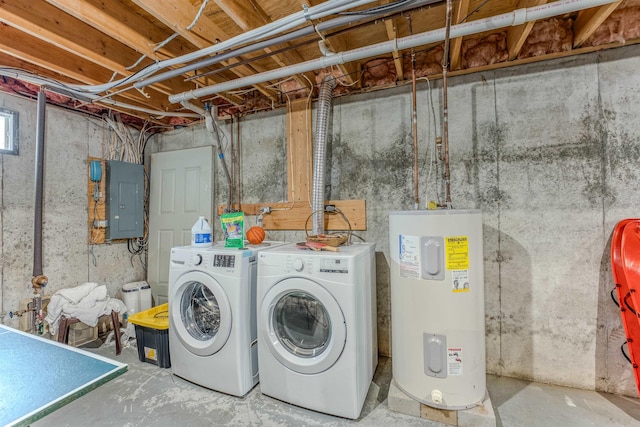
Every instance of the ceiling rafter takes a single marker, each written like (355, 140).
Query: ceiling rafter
(460, 12)
(179, 14)
(53, 26)
(248, 15)
(117, 21)
(589, 20)
(516, 36)
(392, 34)
(32, 50)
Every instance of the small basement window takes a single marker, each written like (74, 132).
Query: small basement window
(8, 132)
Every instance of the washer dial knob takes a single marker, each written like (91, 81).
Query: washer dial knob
(298, 265)
(196, 259)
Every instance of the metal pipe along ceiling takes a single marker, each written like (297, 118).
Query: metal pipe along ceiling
(517, 17)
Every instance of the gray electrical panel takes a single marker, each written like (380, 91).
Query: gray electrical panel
(125, 200)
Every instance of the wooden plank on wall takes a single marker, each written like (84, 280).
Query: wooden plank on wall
(97, 209)
(293, 216)
(300, 150)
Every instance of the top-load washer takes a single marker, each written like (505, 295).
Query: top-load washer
(317, 339)
(212, 316)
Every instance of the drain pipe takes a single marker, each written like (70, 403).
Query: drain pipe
(212, 127)
(39, 280)
(517, 17)
(320, 152)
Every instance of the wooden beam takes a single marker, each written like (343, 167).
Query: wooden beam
(125, 42)
(49, 24)
(97, 210)
(589, 20)
(392, 34)
(248, 15)
(20, 45)
(455, 49)
(115, 19)
(294, 215)
(300, 150)
(516, 36)
(179, 14)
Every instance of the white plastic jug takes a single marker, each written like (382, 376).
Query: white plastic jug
(201, 235)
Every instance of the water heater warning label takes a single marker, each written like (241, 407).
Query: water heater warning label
(460, 281)
(457, 252)
(454, 361)
(409, 252)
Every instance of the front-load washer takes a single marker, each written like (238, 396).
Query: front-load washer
(317, 339)
(212, 316)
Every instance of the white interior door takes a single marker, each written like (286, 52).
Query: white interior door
(180, 191)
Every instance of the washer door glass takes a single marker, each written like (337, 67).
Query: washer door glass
(302, 324)
(200, 312)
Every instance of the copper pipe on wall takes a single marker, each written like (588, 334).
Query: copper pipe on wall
(414, 123)
(445, 108)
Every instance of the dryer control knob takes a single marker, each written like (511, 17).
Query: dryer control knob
(298, 265)
(196, 259)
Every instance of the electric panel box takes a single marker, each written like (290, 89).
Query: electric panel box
(125, 200)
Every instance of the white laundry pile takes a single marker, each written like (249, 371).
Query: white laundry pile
(86, 302)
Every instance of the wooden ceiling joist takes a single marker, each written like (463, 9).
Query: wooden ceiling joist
(180, 14)
(31, 50)
(589, 20)
(248, 15)
(392, 34)
(516, 36)
(460, 12)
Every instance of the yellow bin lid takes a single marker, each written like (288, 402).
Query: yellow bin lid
(156, 317)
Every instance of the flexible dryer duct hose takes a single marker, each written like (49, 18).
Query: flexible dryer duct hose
(320, 151)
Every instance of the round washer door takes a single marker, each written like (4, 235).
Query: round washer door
(304, 325)
(200, 313)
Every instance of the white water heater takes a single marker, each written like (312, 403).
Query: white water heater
(437, 306)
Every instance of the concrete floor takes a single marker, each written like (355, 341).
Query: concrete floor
(150, 396)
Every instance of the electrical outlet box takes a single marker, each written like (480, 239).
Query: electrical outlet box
(125, 200)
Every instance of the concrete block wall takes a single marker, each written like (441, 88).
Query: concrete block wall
(549, 153)
(70, 138)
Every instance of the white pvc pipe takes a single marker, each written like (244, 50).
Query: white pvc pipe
(517, 17)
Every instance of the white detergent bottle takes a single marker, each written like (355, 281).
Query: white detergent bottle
(201, 235)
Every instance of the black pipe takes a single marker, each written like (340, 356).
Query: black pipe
(37, 222)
